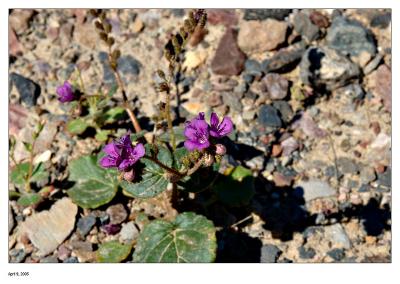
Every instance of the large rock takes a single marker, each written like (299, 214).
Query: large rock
(284, 59)
(256, 36)
(305, 27)
(350, 37)
(276, 85)
(325, 68)
(226, 17)
(48, 229)
(228, 59)
(269, 117)
(28, 90)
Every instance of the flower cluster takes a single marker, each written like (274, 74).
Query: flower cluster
(122, 155)
(66, 93)
(198, 131)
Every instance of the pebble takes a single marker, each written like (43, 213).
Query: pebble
(306, 253)
(319, 19)
(262, 14)
(284, 59)
(85, 224)
(373, 64)
(63, 252)
(256, 163)
(276, 85)
(337, 236)
(308, 126)
(226, 17)
(382, 85)
(367, 174)
(17, 255)
(350, 37)
(42, 232)
(285, 110)
(19, 19)
(381, 21)
(257, 37)
(347, 165)
(305, 27)
(128, 65)
(228, 63)
(326, 68)
(268, 116)
(289, 146)
(385, 178)
(117, 214)
(336, 254)
(49, 259)
(270, 254)
(194, 59)
(129, 232)
(14, 45)
(28, 90)
(313, 189)
(253, 68)
(111, 229)
(282, 180)
(71, 259)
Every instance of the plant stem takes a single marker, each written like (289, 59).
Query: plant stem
(81, 81)
(171, 170)
(169, 121)
(30, 169)
(195, 167)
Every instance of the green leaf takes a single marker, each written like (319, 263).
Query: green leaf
(102, 135)
(178, 155)
(136, 136)
(29, 199)
(179, 137)
(237, 189)
(189, 238)
(112, 90)
(94, 186)
(77, 126)
(152, 181)
(114, 114)
(20, 172)
(202, 179)
(113, 252)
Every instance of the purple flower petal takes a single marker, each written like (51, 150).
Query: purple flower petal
(214, 120)
(139, 150)
(197, 134)
(65, 92)
(108, 162)
(111, 150)
(222, 129)
(124, 141)
(125, 164)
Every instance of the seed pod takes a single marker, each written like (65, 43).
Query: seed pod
(98, 25)
(110, 41)
(107, 27)
(188, 26)
(116, 54)
(203, 20)
(103, 36)
(161, 74)
(113, 65)
(129, 176)
(163, 87)
(94, 12)
(102, 15)
(208, 159)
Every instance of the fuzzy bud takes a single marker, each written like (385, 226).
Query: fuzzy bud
(110, 41)
(220, 149)
(103, 36)
(208, 160)
(102, 15)
(98, 26)
(129, 176)
(161, 74)
(107, 27)
(116, 54)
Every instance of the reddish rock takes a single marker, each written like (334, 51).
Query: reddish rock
(276, 150)
(14, 45)
(228, 59)
(276, 85)
(319, 19)
(226, 17)
(375, 127)
(17, 116)
(383, 85)
(19, 19)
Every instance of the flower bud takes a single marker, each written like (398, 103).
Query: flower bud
(129, 176)
(220, 149)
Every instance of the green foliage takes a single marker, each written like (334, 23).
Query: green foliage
(29, 199)
(189, 238)
(237, 189)
(112, 115)
(102, 135)
(20, 172)
(152, 181)
(77, 126)
(179, 137)
(113, 252)
(94, 186)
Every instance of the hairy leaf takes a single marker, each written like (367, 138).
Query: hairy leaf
(113, 252)
(77, 126)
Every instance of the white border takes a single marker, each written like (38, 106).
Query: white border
(192, 273)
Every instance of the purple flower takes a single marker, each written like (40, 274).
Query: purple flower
(65, 93)
(197, 134)
(219, 130)
(121, 154)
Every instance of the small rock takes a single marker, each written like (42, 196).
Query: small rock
(85, 224)
(306, 253)
(194, 107)
(284, 59)
(226, 17)
(63, 252)
(17, 255)
(284, 109)
(268, 116)
(228, 59)
(85, 35)
(289, 145)
(371, 66)
(253, 67)
(276, 150)
(49, 259)
(194, 59)
(117, 213)
(137, 25)
(256, 37)
(19, 19)
(313, 189)
(381, 21)
(28, 90)
(385, 179)
(382, 85)
(262, 14)
(270, 254)
(214, 100)
(48, 229)
(128, 65)
(336, 254)
(381, 141)
(337, 236)
(71, 259)
(325, 68)
(129, 232)
(367, 174)
(14, 45)
(111, 229)
(276, 85)
(347, 166)
(308, 126)
(350, 37)
(282, 180)
(256, 163)
(319, 19)
(304, 26)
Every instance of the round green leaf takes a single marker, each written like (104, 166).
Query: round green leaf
(189, 238)
(77, 126)
(29, 199)
(113, 252)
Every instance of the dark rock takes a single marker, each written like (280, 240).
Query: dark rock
(71, 259)
(367, 174)
(285, 59)
(385, 179)
(268, 116)
(364, 188)
(347, 166)
(381, 20)
(284, 109)
(111, 229)
(28, 90)
(178, 12)
(128, 65)
(85, 224)
(350, 37)
(117, 213)
(306, 253)
(17, 255)
(336, 254)
(304, 27)
(276, 85)
(226, 17)
(262, 14)
(232, 100)
(253, 67)
(270, 254)
(228, 59)
(325, 68)
(49, 259)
